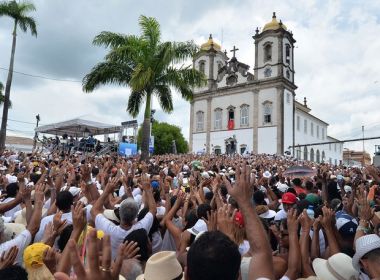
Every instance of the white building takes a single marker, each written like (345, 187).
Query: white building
(239, 111)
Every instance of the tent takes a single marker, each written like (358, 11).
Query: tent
(78, 128)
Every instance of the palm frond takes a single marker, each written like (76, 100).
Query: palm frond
(26, 7)
(150, 30)
(107, 73)
(164, 97)
(141, 78)
(110, 39)
(26, 23)
(134, 103)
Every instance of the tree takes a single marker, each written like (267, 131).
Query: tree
(19, 13)
(147, 66)
(164, 134)
(2, 97)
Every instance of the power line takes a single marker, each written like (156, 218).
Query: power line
(41, 77)
(18, 121)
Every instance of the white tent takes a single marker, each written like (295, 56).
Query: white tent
(78, 128)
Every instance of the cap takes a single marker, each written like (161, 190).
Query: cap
(289, 198)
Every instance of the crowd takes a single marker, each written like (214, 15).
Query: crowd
(77, 216)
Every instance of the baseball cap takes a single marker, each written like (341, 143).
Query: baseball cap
(289, 198)
(345, 223)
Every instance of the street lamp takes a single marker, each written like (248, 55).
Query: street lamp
(35, 133)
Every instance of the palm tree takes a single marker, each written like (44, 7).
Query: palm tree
(19, 13)
(148, 67)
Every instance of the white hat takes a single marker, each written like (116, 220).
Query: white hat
(267, 174)
(186, 167)
(364, 245)
(162, 266)
(74, 191)
(3, 168)
(14, 228)
(21, 216)
(337, 267)
(199, 226)
(205, 175)
(110, 215)
(282, 187)
(347, 188)
(268, 214)
(11, 179)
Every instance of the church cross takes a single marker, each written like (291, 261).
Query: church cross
(234, 51)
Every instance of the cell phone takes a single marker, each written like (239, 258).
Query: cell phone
(187, 189)
(185, 181)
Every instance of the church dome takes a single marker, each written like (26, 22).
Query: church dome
(274, 24)
(210, 42)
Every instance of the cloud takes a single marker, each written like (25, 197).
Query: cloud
(336, 56)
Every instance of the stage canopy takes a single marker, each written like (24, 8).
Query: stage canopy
(78, 128)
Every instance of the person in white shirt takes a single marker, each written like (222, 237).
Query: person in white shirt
(128, 212)
(63, 202)
(11, 191)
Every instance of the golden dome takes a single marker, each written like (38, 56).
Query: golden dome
(274, 24)
(210, 42)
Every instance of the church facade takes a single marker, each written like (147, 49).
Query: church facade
(239, 111)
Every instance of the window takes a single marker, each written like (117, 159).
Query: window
(200, 120)
(217, 150)
(311, 154)
(317, 131)
(288, 98)
(202, 65)
(298, 123)
(305, 126)
(267, 112)
(243, 148)
(312, 129)
(330, 160)
(288, 74)
(318, 157)
(287, 53)
(305, 153)
(323, 156)
(244, 115)
(267, 51)
(268, 72)
(330, 146)
(218, 118)
(299, 153)
(334, 147)
(323, 133)
(231, 117)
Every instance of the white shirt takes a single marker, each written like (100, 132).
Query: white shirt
(117, 233)
(45, 221)
(21, 241)
(11, 213)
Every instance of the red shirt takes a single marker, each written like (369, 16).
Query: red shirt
(300, 190)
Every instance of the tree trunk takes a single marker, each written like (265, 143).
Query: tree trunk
(146, 130)
(3, 132)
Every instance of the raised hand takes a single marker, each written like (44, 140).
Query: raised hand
(8, 258)
(58, 224)
(328, 218)
(225, 220)
(241, 191)
(292, 221)
(212, 221)
(79, 216)
(305, 221)
(50, 258)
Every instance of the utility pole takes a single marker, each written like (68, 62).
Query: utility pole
(35, 134)
(363, 146)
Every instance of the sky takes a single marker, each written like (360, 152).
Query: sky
(337, 60)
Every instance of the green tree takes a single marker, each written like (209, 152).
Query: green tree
(148, 67)
(19, 13)
(164, 134)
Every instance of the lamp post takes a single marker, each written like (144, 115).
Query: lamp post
(35, 133)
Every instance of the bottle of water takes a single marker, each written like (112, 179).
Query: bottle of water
(310, 211)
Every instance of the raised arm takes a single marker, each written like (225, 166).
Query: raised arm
(35, 220)
(261, 262)
(327, 224)
(294, 264)
(306, 223)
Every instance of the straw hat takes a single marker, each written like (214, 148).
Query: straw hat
(162, 266)
(21, 217)
(364, 245)
(337, 267)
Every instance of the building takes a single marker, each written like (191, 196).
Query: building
(355, 158)
(240, 111)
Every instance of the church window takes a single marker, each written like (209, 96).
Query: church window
(267, 51)
(287, 53)
(243, 148)
(305, 153)
(299, 153)
(202, 65)
(311, 154)
(217, 150)
(318, 156)
(268, 72)
(317, 131)
(298, 122)
(312, 129)
(231, 117)
(267, 112)
(200, 120)
(305, 126)
(288, 74)
(323, 133)
(244, 110)
(323, 156)
(218, 118)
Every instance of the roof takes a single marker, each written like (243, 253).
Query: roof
(77, 127)
(306, 110)
(274, 24)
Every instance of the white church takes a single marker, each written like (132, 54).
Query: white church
(239, 111)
